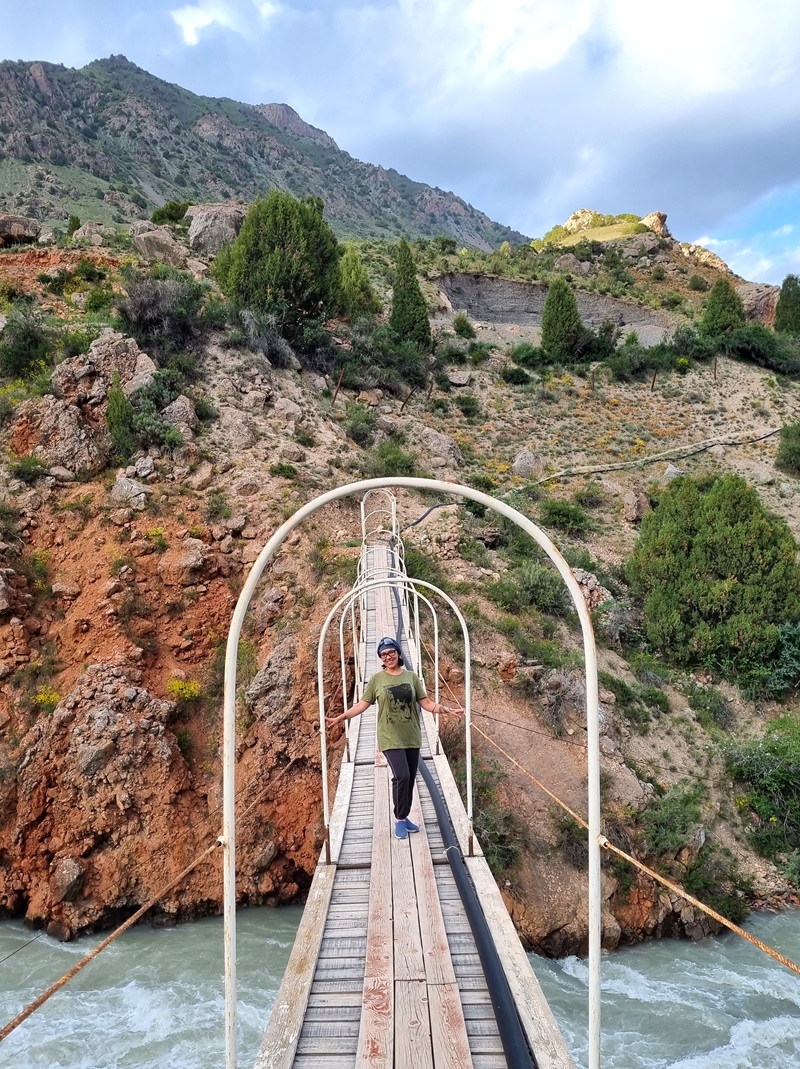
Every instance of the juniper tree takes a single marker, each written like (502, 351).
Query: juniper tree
(409, 318)
(718, 576)
(285, 261)
(357, 296)
(724, 310)
(787, 312)
(561, 321)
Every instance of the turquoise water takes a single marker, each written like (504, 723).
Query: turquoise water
(717, 1004)
(155, 1000)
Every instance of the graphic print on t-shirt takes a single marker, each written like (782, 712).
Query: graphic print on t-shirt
(400, 703)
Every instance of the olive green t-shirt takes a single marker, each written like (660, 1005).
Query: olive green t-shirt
(398, 716)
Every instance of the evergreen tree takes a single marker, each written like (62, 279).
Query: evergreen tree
(724, 310)
(119, 418)
(357, 295)
(718, 575)
(787, 312)
(561, 321)
(409, 318)
(285, 260)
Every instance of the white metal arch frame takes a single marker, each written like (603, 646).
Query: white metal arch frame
(228, 837)
(349, 599)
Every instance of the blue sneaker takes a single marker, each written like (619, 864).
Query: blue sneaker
(400, 830)
(410, 825)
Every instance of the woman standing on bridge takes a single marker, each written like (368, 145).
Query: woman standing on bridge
(397, 691)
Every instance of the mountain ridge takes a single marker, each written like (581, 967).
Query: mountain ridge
(138, 141)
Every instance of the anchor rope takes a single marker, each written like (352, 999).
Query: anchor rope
(605, 844)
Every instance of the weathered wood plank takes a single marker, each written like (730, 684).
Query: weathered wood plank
(375, 1048)
(448, 1031)
(413, 1048)
(436, 951)
(283, 1031)
(408, 960)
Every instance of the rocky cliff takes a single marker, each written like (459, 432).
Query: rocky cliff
(110, 142)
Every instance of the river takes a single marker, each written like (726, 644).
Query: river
(154, 999)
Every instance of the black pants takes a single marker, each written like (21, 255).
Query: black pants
(403, 764)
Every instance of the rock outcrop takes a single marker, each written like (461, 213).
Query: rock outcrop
(214, 225)
(760, 301)
(18, 230)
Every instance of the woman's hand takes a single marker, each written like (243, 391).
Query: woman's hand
(332, 721)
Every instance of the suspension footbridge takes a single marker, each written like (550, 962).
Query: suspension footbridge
(405, 955)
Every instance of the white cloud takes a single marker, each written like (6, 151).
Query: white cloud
(783, 231)
(228, 14)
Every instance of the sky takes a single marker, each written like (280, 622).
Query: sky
(528, 109)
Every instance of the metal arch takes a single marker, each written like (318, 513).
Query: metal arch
(228, 837)
(347, 601)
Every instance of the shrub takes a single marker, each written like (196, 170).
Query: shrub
(526, 355)
(409, 317)
(562, 327)
(497, 828)
(468, 404)
(389, 459)
(171, 212)
(25, 343)
(717, 882)
(531, 585)
(514, 376)
(787, 311)
(698, 284)
(785, 673)
(658, 274)
(283, 470)
(724, 310)
(73, 224)
(718, 576)
(284, 261)
(462, 325)
(669, 822)
(360, 423)
(565, 516)
(770, 767)
(28, 468)
(788, 457)
(712, 707)
(160, 312)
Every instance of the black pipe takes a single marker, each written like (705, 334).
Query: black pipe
(512, 1035)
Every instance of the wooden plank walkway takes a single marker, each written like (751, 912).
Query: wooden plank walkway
(384, 973)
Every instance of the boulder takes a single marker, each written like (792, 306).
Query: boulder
(570, 262)
(181, 414)
(86, 379)
(440, 445)
(159, 244)
(141, 226)
(459, 378)
(579, 220)
(183, 565)
(67, 879)
(528, 465)
(95, 233)
(18, 229)
(214, 225)
(58, 433)
(760, 301)
(288, 410)
(129, 492)
(635, 503)
(657, 221)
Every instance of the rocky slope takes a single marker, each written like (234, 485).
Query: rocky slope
(116, 590)
(110, 142)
